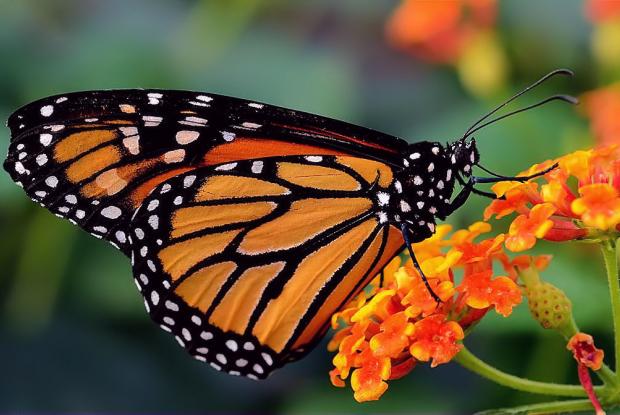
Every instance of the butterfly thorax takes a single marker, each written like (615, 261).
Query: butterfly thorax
(422, 190)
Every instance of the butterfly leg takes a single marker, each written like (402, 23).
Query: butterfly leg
(416, 264)
(468, 189)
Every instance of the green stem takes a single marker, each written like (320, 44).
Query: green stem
(606, 375)
(469, 361)
(544, 408)
(611, 266)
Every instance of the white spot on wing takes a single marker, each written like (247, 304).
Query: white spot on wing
(184, 137)
(228, 136)
(189, 180)
(51, 181)
(172, 306)
(257, 167)
(226, 167)
(152, 120)
(45, 139)
(41, 159)
(154, 221)
(47, 110)
(111, 212)
(174, 156)
(154, 97)
(384, 198)
(232, 345)
(154, 297)
(122, 238)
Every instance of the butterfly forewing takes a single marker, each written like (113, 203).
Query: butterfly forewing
(246, 262)
(92, 157)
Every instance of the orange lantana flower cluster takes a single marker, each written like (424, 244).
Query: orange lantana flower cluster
(580, 200)
(460, 33)
(439, 31)
(602, 107)
(385, 332)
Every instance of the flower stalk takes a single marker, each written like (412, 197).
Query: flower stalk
(608, 249)
(471, 362)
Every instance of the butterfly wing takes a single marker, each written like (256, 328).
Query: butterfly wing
(246, 262)
(253, 223)
(92, 157)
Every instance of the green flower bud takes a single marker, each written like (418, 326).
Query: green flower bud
(549, 305)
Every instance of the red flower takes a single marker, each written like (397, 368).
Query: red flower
(584, 351)
(587, 356)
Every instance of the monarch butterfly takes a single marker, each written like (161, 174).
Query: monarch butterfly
(247, 225)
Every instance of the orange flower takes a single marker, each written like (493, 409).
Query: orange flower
(436, 340)
(416, 297)
(482, 253)
(526, 228)
(515, 201)
(605, 14)
(368, 382)
(598, 206)
(438, 31)
(602, 107)
(602, 10)
(480, 292)
(554, 211)
(393, 338)
(384, 336)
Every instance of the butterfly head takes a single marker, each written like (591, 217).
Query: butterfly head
(462, 155)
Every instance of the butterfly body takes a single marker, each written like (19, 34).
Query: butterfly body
(247, 225)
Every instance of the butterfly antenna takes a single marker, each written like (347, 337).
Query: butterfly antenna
(566, 98)
(509, 100)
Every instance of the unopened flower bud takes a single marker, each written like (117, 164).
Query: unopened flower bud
(549, 305)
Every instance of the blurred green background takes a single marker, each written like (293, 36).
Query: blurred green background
(74, 335)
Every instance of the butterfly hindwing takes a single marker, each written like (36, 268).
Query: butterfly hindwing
(92, 157)
(246, 262)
